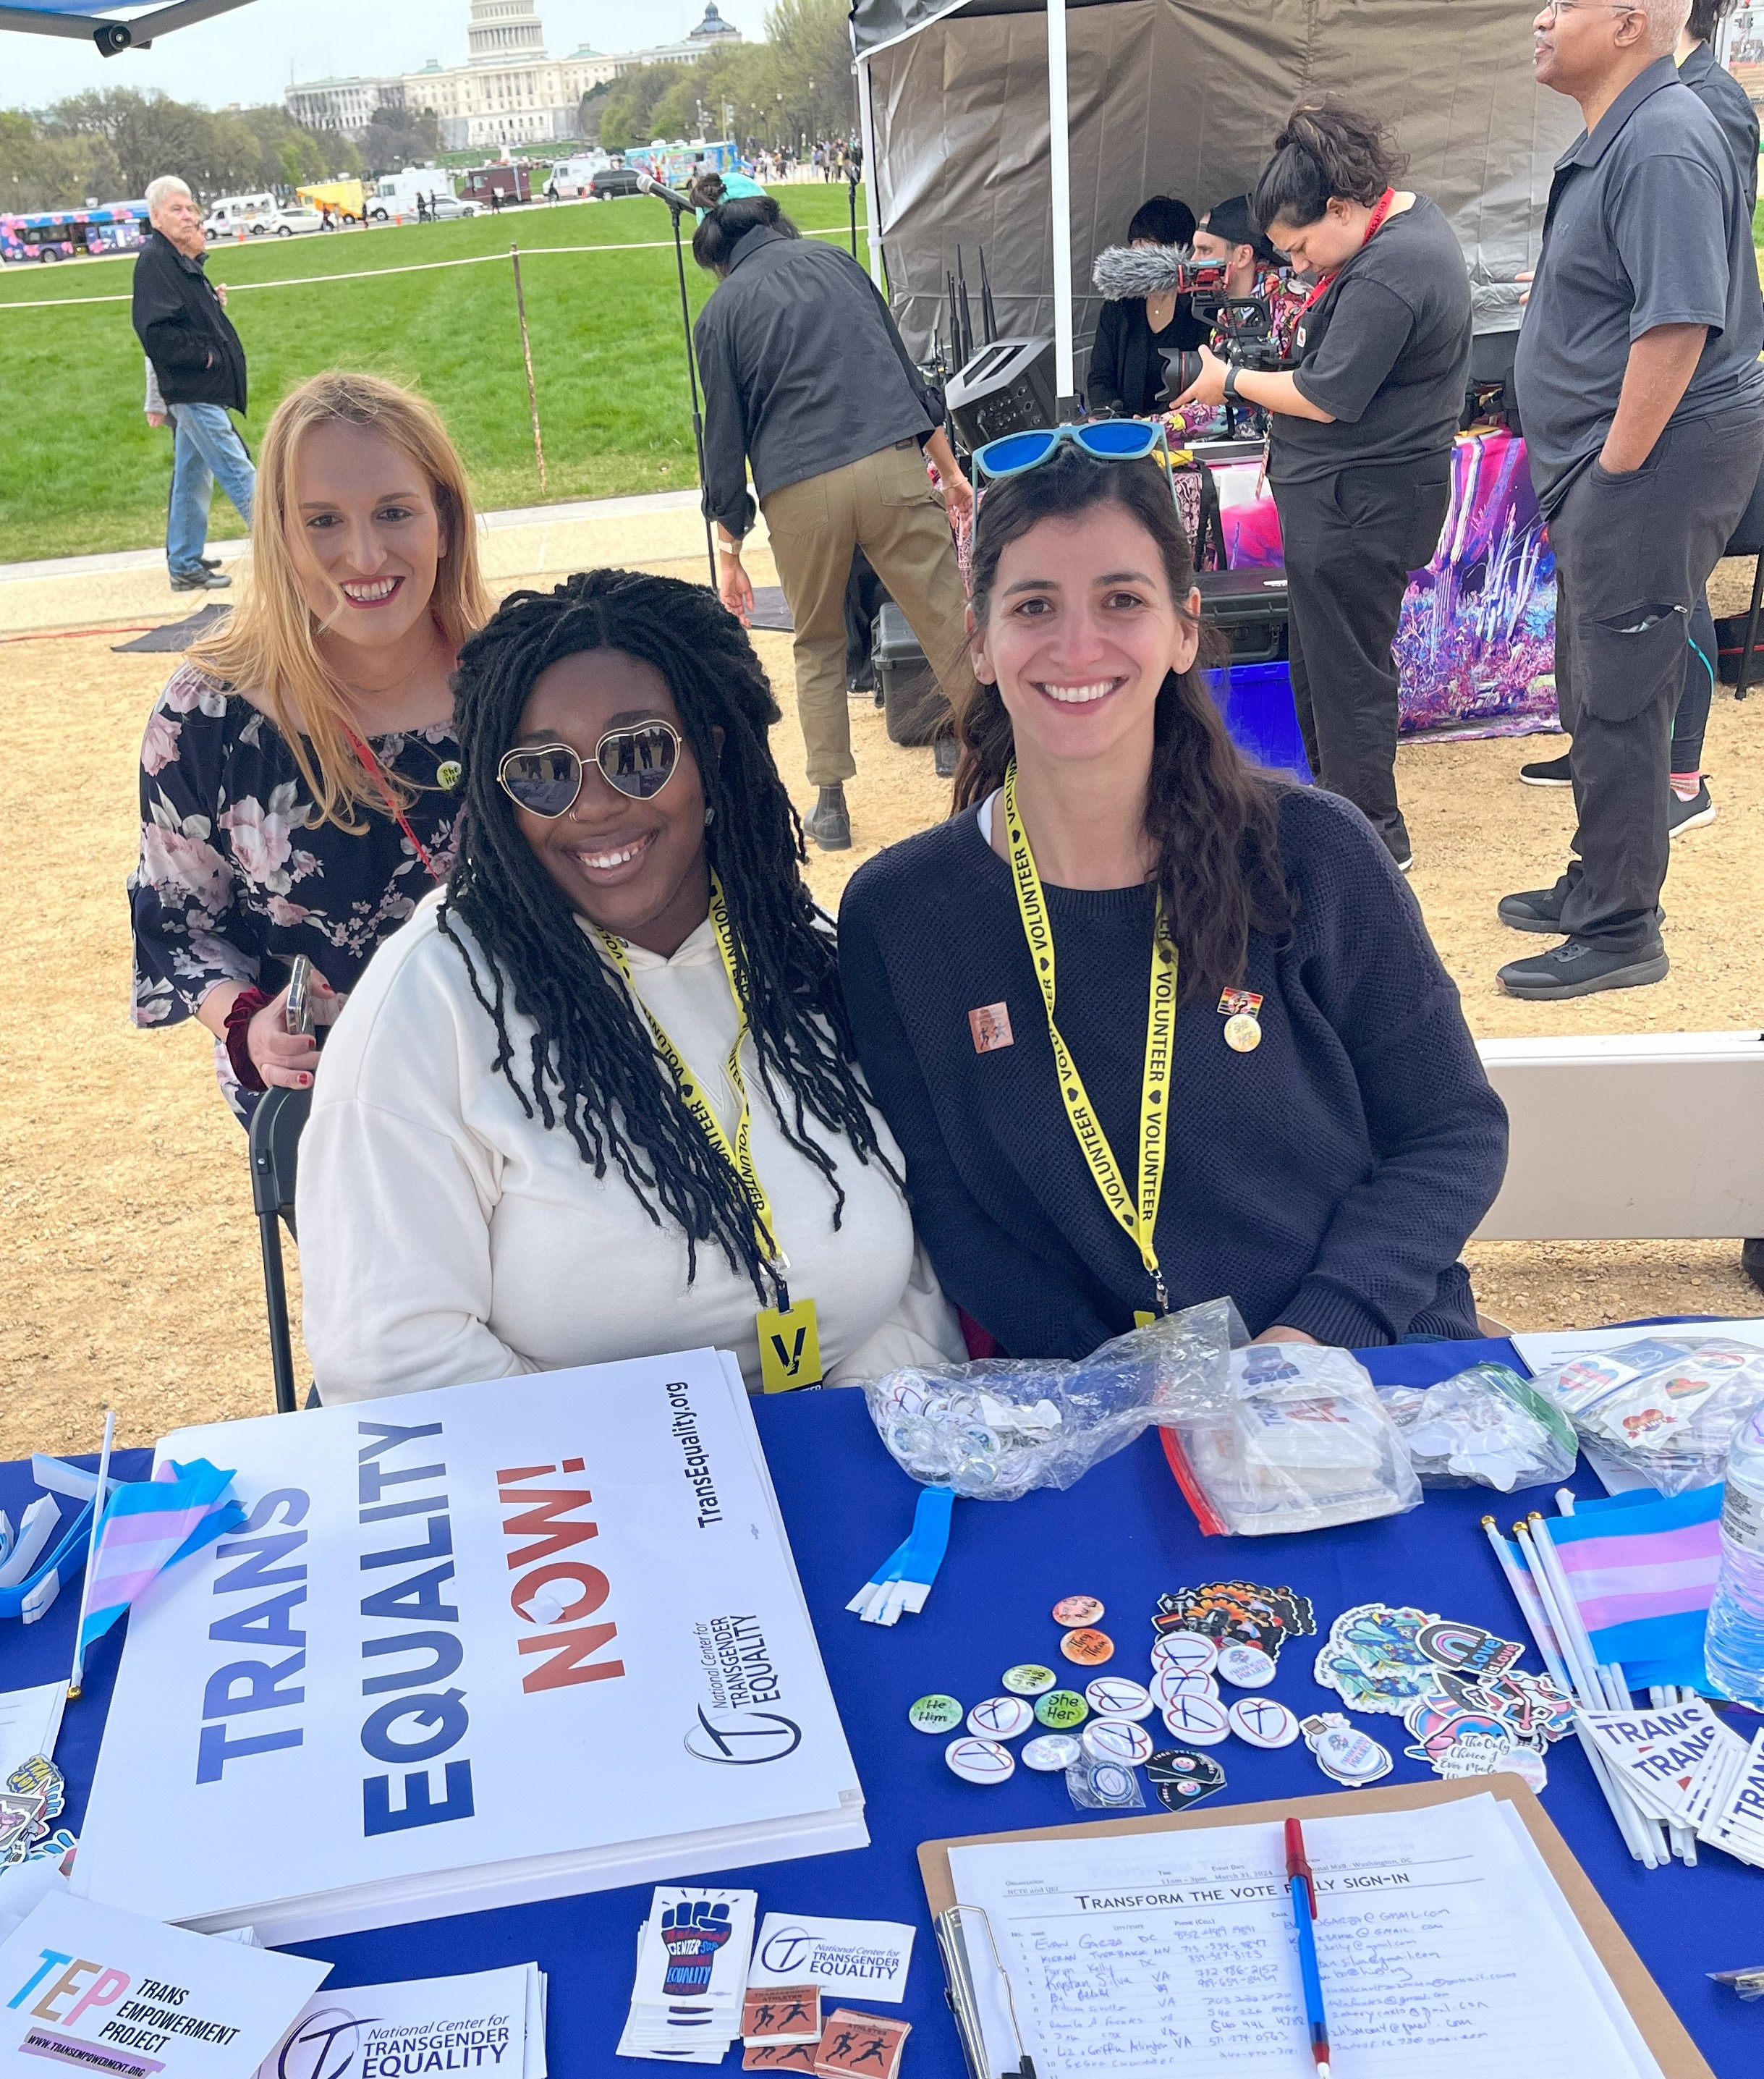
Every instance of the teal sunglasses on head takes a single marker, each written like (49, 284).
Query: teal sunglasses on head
(1103, 440)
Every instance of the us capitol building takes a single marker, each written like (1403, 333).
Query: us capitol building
(509, 92)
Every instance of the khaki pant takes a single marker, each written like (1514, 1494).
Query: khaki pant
(884, 504)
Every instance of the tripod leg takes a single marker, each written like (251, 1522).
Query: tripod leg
(692, 378)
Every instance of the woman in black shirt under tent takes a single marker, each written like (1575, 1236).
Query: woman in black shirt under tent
(1360, 431)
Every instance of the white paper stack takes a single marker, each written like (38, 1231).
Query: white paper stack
(1684, 1766)
(471, 1647)
(483, 2021)
(691, 1971)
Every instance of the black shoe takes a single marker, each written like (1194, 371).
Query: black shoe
(1537, 909)
(1691, 815)
(830, 825)
(1578, 967)
(1752, 1260)
(209, 562)
(200, 580)
(1548, 772)
(1541, 910)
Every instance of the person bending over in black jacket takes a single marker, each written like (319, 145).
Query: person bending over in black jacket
(1126, 374)
(807, 380)
(181, 320)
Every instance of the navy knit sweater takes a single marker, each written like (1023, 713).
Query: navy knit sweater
(1327, 1180)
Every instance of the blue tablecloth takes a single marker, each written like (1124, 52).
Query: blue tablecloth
(1125, 1534)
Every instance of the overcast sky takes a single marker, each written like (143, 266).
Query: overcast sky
(251, 54)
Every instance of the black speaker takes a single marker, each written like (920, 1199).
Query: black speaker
(1007, 387)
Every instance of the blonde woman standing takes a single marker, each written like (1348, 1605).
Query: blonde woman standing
(297, 771)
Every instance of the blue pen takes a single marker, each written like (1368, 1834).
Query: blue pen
(1303, 1887)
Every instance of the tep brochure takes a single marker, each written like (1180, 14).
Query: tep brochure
(1446, 1948)
(471, 1647)
(84, 1987)
(488, 2023)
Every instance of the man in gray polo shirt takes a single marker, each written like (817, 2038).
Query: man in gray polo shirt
(1643, 401)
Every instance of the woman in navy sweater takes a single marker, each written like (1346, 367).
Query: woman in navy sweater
(1150, 1026)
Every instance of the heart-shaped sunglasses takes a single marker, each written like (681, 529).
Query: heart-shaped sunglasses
(545, 779)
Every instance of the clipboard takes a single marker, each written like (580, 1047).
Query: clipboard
(1665, 2034)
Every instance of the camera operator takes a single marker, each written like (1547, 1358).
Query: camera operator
(1360, 432)
(1229, 233)
(1643, 401)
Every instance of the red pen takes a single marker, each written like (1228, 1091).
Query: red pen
(1302, 1886)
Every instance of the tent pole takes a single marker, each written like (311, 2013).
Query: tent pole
(872, 192)
(1059, 171)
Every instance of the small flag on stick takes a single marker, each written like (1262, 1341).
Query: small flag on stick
(148, 1526)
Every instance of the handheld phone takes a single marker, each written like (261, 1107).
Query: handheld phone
(300, 1009)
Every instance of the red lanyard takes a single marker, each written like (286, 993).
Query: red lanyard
(365, 753)
(1374, 226)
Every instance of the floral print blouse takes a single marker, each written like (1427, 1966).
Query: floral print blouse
(237, 874)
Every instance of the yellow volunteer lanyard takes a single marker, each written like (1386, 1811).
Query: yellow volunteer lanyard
(789, 1342)
(1137, 1218)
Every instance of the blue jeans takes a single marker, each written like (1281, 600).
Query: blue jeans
(206, 446)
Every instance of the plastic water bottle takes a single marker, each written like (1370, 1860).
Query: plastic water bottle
(1734, 1645)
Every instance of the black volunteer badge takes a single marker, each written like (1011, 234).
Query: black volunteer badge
(743, 1739)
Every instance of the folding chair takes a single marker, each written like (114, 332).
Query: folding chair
(276, 1127)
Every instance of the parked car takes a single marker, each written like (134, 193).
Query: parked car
(286, 223)
(611, 181)
(448, 206)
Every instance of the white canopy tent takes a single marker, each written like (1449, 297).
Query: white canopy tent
(1035, 127)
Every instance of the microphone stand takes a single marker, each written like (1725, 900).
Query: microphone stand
(674, 209)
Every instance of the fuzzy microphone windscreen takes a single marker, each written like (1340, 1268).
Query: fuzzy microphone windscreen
(1124, 271)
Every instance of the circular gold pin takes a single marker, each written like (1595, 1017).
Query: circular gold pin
(1243, 1033)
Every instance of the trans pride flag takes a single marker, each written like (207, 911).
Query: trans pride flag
(1642, 1568)
(147, 1526)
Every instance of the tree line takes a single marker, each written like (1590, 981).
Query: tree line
(796, 84)
(107, 146)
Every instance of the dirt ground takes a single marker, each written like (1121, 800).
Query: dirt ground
(132, 1278)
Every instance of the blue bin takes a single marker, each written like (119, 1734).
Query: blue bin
(1257, 701)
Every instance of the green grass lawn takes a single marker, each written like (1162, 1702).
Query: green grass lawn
(81, 471)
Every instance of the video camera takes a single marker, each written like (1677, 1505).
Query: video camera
(1247, 323)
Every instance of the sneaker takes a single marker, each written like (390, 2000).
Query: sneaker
(1548, 772)
(1406, 864)
(1541, 910)
(1691, 815)
(830, 825)
(200, 580)
(1578, 967)
(209, 562)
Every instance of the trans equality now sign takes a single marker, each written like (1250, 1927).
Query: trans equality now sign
(495, 1642)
